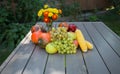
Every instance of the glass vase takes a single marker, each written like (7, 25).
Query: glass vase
(49, 26)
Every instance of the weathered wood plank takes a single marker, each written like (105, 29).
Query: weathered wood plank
(20, 45)
(18, 62)
(110, 58)
(92, 57)
(75, 63)
(37, 62)
(109, 37)
(110, 30)
(102, 59)
(55, 64)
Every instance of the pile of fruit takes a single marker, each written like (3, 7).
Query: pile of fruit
(64, 39)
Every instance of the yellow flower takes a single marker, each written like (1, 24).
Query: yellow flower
(54, 10)
(40, 12)
(45, 10)
(49, 9)
(50, 14)
(46, 6)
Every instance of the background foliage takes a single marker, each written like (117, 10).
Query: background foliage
(16, 19)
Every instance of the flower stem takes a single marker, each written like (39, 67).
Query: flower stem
(49, 26)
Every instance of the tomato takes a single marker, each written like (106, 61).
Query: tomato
(35, 36)
(64, 24)
(46, 14)
(55, 16)
(46, 20)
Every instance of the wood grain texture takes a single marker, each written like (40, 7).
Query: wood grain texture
(36, 65)
(55, 64)
(107, 28)
(27, 58)
(110, 58)
(20, 45)
(109, 37)
(92, 57)
(18, 62)
(75, 63)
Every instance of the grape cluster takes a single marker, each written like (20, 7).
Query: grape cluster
(58, 34)
(62, 42)
(65, 46)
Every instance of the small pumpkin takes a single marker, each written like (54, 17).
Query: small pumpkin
(44, 39)
(35, 36)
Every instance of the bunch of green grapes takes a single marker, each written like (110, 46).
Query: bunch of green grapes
(65, 46)
(58, 34)
(60, 39)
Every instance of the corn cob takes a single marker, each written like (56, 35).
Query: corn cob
(81, 40)
(89, 45)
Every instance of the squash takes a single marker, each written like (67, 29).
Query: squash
(44, 39)
(35, 36)
(81, 40)
(89, 45)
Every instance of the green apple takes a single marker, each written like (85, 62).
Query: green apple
(50, 48)
(71, 35)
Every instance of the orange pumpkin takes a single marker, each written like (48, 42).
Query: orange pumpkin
(44, 40)
(35, 36)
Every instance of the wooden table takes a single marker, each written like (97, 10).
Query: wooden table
(28, 58)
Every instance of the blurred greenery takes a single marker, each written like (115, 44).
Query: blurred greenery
(21, 11)
(10, 36)
(70, 9)
(16, 19)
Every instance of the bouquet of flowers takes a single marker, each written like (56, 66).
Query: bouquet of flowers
(49, 15)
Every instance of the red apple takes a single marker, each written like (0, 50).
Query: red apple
(76, 43)
(72, 27)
